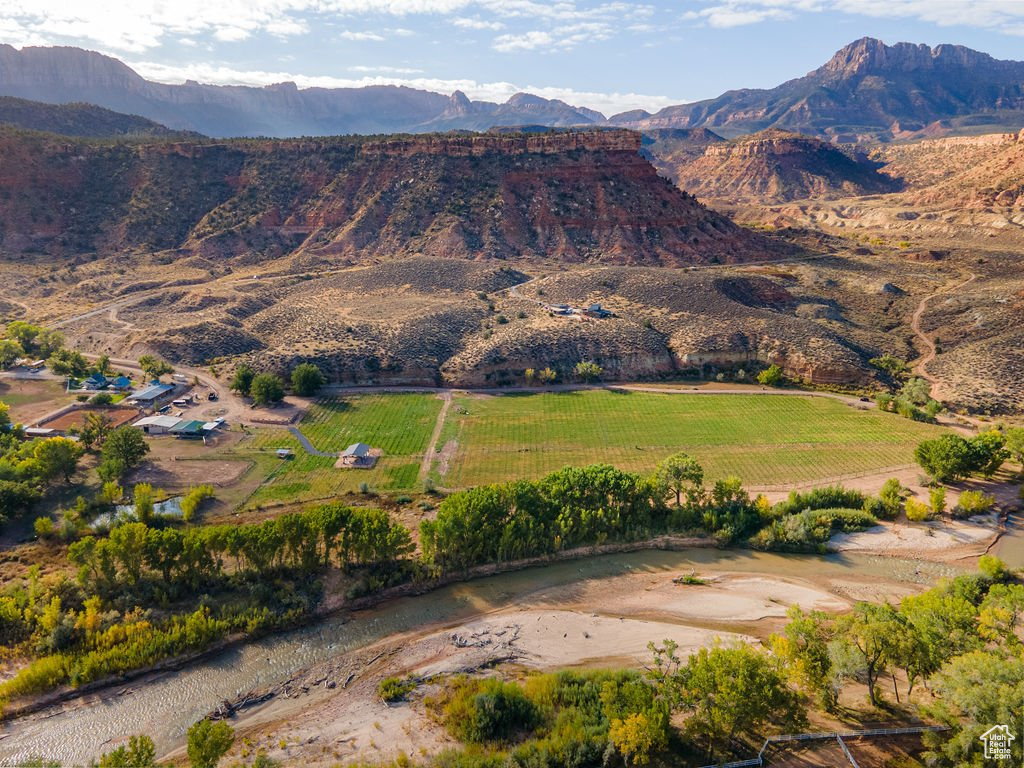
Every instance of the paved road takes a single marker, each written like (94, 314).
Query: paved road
(308, 446)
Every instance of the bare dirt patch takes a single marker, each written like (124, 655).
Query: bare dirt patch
(76, 418)
(174, 474)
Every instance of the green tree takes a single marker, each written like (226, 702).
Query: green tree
(988, 452)
(102, 364)
(891, 365)
(266, 389)
(770, 376)
(143, 499)
(868, 634)
(154, 367)
(733, 691)
(917, 391)
(10, 350)
(547, 376)
(678, 474)
(139, 752)
(946, 459)
(937, 500)
(803, 648)
(208, 742)
(123, 450)
(25, 334)
(635, 737)
(588, 371)
(1015, 443)
(56, 457)
(95, 428)
(307, 379)
(241, 382)
(68, 362)
(975, 691)
(891, 496)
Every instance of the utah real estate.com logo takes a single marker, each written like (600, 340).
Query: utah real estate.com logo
(997, 742)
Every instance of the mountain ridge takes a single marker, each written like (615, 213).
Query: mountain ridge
(867, 92)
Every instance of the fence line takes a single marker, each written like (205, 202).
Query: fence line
(826, 736)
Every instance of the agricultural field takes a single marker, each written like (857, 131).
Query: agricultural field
(763, 439)
(31, 399)
(398, 424)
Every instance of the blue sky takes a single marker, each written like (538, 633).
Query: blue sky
(606, 54)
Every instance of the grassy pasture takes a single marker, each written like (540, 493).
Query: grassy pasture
(399, 424)
(763, 439)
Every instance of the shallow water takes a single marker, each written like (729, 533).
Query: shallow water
(164, 707)
(1010, 547)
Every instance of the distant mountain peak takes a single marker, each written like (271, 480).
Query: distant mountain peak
(870, 55)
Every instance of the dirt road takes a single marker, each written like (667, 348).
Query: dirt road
(921, 366)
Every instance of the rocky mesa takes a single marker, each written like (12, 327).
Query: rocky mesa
(566, 196)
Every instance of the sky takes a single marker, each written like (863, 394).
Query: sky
(605, 54)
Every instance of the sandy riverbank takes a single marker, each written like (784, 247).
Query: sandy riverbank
(332, 713)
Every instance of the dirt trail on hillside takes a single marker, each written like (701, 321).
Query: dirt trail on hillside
(921, 366)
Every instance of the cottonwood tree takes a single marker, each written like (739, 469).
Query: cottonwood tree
(154, 367)
(208, 742)
(266, 389)
(679, 473)
(307, 379)
(242, 380)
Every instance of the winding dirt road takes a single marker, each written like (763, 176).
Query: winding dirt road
(920, 368)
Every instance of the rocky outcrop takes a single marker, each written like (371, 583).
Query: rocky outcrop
(777, 166)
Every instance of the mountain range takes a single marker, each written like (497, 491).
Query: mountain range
(868, 92)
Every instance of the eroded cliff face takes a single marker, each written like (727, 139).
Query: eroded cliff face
(777, 166)
(575, 196)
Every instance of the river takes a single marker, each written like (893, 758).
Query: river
(164, 706)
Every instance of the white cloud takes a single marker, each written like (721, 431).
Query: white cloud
(361, 36)
(476, 23)
(526, 41)
(386, 70)
(1004, 15)
(560, 38)
(609, 103)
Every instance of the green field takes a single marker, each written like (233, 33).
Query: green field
(763, 439)
(399, 424)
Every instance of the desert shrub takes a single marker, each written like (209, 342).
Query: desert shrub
(917, 511)
(194, 499)
(770, 376)
(828, 497)
(973, 503)
(808, 531)
(392, 689)
(102, 398)
(891, 497)
(43, 527)
(487, 711)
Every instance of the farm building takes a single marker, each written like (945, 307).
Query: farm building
(284, 453)
(151, 394)
(596, 310)
(357, 455)
(33, 432)
(121, 384)
(157, 425)
(191, 430)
